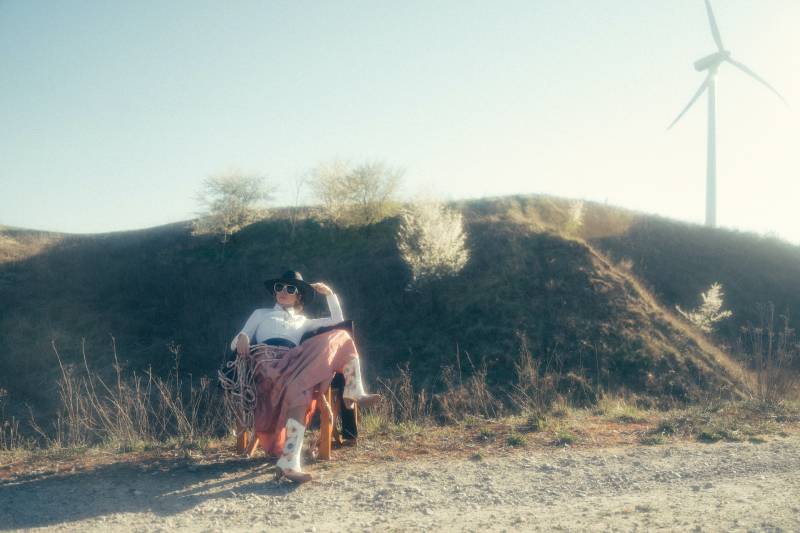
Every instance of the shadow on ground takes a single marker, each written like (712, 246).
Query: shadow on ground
(162, 487)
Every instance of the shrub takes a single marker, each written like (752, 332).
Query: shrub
(431, 241)
(708, 314)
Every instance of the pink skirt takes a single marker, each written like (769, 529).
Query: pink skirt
(296, 380)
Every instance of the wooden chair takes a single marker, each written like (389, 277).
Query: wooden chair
(328, 427)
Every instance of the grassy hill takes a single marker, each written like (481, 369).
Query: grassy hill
(592, 304)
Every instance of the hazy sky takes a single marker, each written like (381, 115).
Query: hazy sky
(112, 113)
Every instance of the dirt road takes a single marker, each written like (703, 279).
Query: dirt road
(673, 487)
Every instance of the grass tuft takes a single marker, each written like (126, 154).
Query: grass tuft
(486, 435)
(564, 437)
(516, 440)
(619, 410)
(535, 423)
(652, 440)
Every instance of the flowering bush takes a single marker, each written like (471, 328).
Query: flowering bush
(431, 241)
(708, 314)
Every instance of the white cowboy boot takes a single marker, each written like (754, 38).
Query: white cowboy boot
(354, 387)
(289, 462)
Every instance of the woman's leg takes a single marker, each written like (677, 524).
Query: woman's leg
(354, 387)
(289, 462)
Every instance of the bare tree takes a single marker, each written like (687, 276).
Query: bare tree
(431, 240)
(373, 189)
(230, 202)
(708, 314)
(575, 217)
(353, 196)
(328, 187)
(299, 184)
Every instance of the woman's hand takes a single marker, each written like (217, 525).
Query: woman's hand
(322, 288)
(242, 345)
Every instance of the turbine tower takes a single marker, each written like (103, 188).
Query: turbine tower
(711, 63)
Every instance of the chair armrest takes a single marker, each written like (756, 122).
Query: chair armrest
(346, 325)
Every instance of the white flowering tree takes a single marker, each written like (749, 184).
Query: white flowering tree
(432, 241)
(230, 202)
(709, 313)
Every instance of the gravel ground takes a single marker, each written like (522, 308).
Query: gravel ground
(673, 487)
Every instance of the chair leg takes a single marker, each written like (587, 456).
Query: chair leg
(325, 430)
(241, 439)
(252, 447)
(336, 407)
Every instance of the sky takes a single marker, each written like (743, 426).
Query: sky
(113, 113)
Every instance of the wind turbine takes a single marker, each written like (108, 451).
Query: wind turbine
(711, 63)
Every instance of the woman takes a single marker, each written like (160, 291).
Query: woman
(287, 378)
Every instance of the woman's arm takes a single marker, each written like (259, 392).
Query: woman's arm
(249, 328)
(333, 305)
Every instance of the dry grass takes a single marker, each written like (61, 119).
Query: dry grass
(619, 409)
(580, 427)
(731, 421)
(587, 428)
(16, 245)
(544, 213)
(772, 350)
(467, 396)
(616, 420)
(146, 414)
(134, 411)
(384, 440)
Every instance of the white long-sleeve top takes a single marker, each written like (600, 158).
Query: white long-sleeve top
(268, 323)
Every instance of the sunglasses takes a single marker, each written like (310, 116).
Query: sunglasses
(290, 289)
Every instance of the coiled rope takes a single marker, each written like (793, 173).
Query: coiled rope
(238, 380)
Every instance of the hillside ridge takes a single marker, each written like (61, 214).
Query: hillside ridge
(566, 293)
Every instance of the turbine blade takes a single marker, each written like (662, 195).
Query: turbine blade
(752, 74)
(702, 88)
(714, 28)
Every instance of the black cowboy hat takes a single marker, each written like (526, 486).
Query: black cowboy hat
(292, 277)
